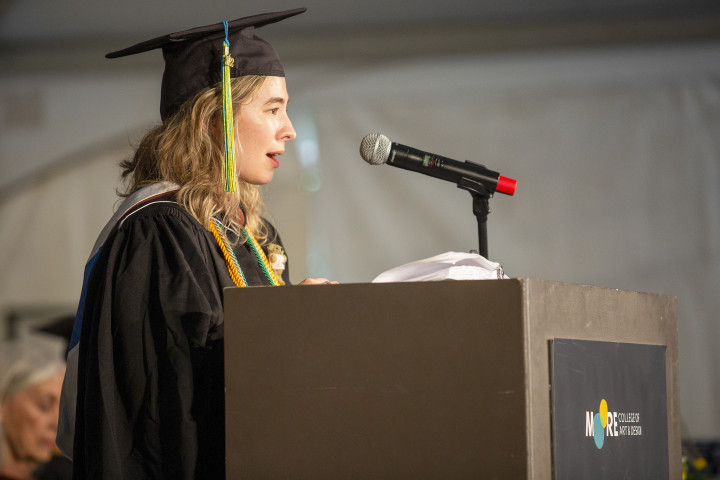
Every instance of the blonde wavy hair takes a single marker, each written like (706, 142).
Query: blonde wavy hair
(188, 150)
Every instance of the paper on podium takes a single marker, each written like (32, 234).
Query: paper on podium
(446, 266)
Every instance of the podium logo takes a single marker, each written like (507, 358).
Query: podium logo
(611, 424)
(597, 425)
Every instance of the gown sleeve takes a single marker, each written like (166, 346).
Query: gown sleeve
(150, 386)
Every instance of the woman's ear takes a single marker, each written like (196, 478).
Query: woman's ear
(214, 127)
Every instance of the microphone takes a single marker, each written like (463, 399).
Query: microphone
(376, 149)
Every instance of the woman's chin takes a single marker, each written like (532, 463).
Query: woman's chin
(43, 454)
(259, 179)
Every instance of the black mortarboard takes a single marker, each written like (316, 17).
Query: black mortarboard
(193, 58)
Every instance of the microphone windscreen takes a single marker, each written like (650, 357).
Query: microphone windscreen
(375, 148)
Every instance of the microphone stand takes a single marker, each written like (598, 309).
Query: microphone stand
(481, 209)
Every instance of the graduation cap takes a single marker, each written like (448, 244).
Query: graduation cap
(193, 58)
(203, 56)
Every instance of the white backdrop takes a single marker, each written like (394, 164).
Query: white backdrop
(617, 154)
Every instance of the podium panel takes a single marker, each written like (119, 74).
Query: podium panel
(416, 380)
(609, 410)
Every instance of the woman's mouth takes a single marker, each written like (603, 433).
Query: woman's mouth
(273, 159)
(47, 443)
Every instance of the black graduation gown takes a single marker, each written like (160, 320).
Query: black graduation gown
(151, 381)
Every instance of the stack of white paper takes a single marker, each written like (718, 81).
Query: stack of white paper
(446, 266)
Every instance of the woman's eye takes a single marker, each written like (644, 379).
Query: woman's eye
(274, 110)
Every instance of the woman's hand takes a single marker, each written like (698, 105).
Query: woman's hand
(317, 281)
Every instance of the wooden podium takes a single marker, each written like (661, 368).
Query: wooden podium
(448, 379)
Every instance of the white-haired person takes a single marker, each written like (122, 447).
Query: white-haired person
(31, 375)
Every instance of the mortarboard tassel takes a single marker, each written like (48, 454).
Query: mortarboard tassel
(230, 180)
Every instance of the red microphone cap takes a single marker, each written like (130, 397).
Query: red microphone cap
(506, 185)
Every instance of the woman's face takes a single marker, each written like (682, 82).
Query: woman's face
(30, 420)
(262, 127)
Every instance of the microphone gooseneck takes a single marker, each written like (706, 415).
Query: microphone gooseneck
(481, 182)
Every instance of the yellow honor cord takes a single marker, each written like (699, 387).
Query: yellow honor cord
(235, 273)
(231, 260)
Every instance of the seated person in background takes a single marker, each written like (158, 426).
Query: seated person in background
(31, 375)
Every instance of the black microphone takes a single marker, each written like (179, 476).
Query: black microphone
(376, 149)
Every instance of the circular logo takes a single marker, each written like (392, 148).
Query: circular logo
(599, 424)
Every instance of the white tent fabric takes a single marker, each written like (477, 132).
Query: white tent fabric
(617, 154)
